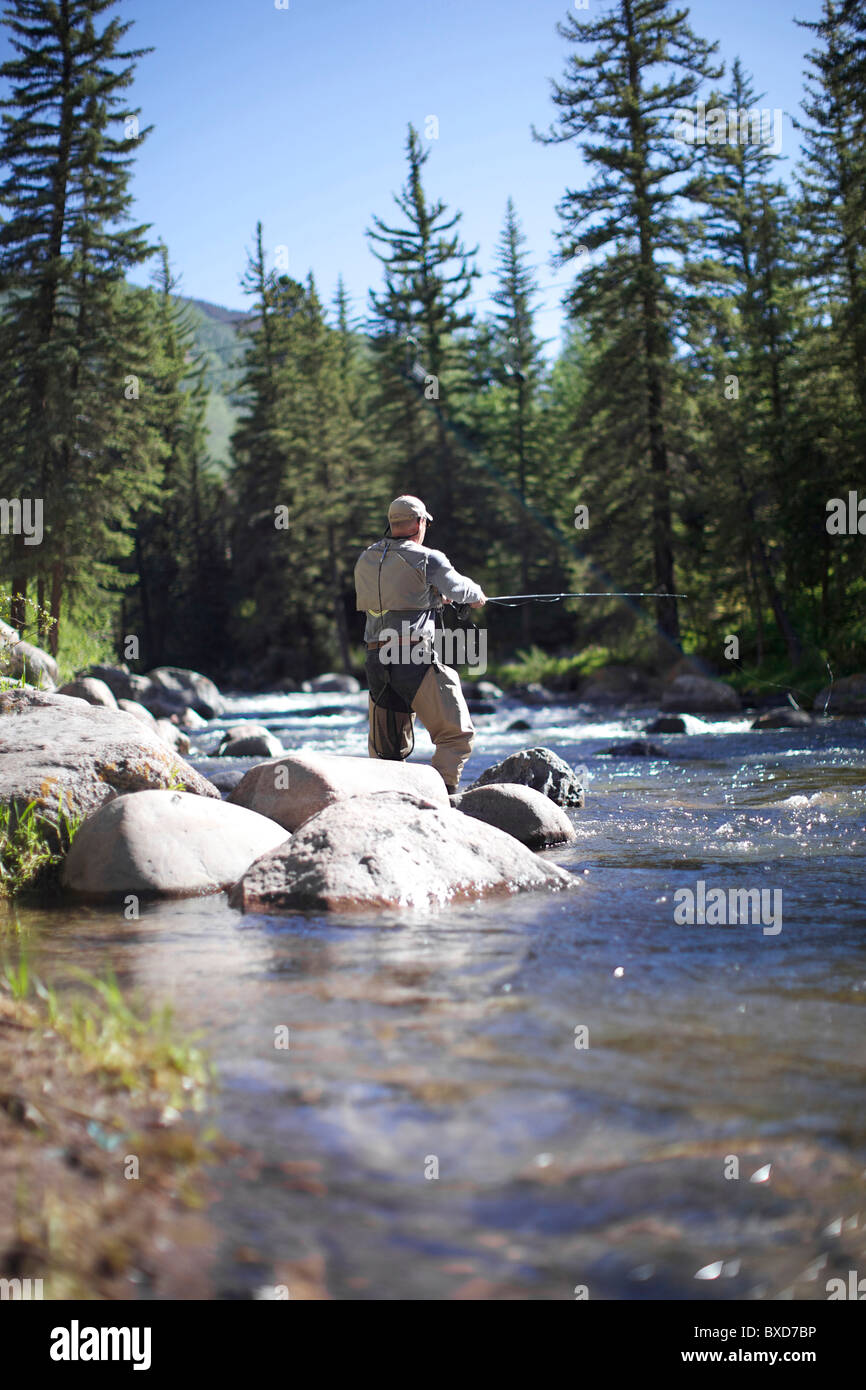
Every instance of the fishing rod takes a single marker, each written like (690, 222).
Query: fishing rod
(461, 610)
(554, 598)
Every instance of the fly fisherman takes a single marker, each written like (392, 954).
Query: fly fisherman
(399, 583)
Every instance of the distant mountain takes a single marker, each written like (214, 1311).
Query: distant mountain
(219, 335)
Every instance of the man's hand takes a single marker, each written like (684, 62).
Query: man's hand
(480, 604)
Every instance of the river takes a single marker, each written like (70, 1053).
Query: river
(553, 1097)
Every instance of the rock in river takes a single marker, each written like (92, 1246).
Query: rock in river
(541, 769)
(529, 816)
(165, 843)
(291, 789)
(688, 694)
(52, 744)
(187, 688)
(845, 696)
(783, 717)
(391, 849)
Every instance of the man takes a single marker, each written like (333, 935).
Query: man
(399, 583)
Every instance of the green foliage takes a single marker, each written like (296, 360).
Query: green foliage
(32, 848)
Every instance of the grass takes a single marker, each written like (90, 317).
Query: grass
(562, 672)
(33, 847)
(125, 1050)
(91, 1082)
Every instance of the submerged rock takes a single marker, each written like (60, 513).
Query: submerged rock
(667, 724)
(296, 786)
(53, 745)
(518, 726)
(634, 748)
(165, 843)
(541, 769)
(528, 815)
(688, 694)
(391, 849)
(783, 717)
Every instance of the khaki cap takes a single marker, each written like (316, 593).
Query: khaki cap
(407, 508)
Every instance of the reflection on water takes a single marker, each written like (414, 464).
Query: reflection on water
(436, 1129)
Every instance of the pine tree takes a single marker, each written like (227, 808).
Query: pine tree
(418, 320)
(70, 327)
(617, 105)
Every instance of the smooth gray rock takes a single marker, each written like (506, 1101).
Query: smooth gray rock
(296, 786)
(541, 769)
(688, 694)
(253, 746)
(134, 708)
(392, 850)
(188, 688)
(783, 717)
(89, 688)
(19, 659)
(528, 815)
(165, 843)
(225, 779)
(846, 696)
(173, 735)
(667, 724)
(333, 682)
(56, 744)
(246, 729)
(122, 683)
(192, 721)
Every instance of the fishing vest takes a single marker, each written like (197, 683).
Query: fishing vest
(389, 580)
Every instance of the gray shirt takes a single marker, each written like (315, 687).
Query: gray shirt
(441, 580)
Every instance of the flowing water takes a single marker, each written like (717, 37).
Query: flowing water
(554, 1096)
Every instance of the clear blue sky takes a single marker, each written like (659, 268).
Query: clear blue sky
(298, 117)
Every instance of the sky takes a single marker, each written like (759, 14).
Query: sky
(297, 117)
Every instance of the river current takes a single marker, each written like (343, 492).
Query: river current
(550, 1097)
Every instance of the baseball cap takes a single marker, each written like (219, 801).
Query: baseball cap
(407, 508)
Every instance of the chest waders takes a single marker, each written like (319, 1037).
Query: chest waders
(383, 693)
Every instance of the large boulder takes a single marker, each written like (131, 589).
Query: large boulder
(783, 717)
(296, 786)
(89, 688)
(391, 849)
(165, 843)
(188, 688)
(690, 694)
(846, 696)
(53, 745)
(541, 769)
(19, 659)
(528, 815)
(332, 683)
